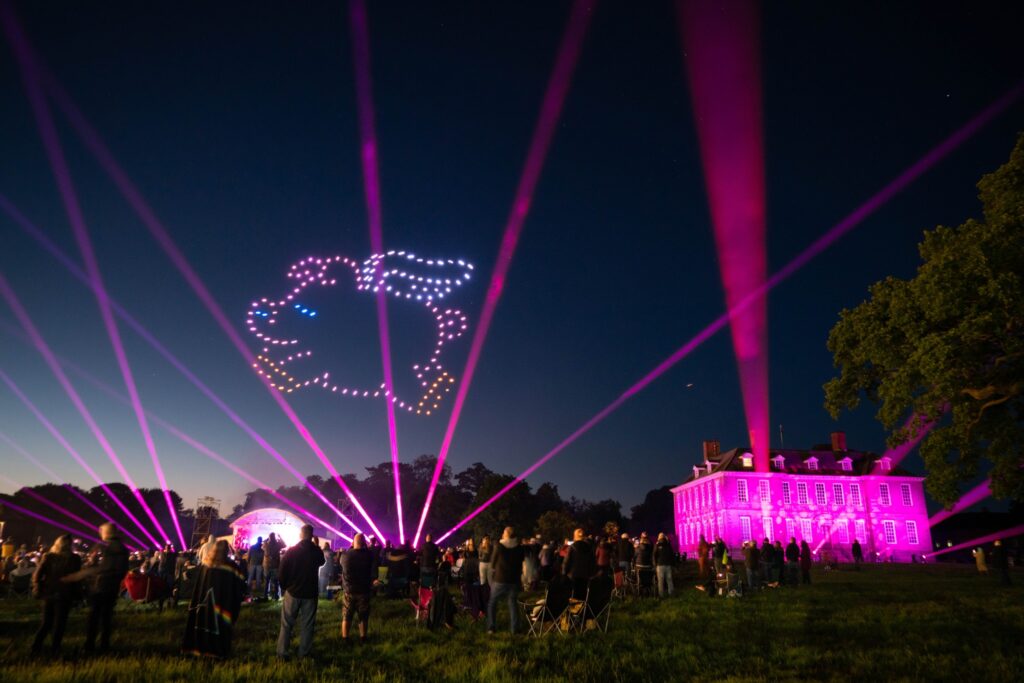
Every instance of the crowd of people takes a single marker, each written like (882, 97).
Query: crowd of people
(217, 579)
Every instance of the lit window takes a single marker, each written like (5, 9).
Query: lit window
(883, 494)
(763, 492)
(819, 494)
(846, 464)
(855, 495)
(745, 528)
(790, 528)
(812, 464)
(837, 494)
(786, 497)
(748, 461)
(741, 490)
(912, 532)
(801, 493)
(843, 531)
(890, 531)
(766, 523)
(885, 464)
(779, 462)
(860, 531)
(908, 500)
(806, 530)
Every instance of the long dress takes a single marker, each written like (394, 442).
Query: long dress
(213, 611)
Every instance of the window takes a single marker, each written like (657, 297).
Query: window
(718, 491)
(819, 494)
(766, 523)
(837, 494)
(859, 531)
(745, 528)
(779, 462)
(812, 464)
(846, 464)
(748, 460)
(824, 528)
(741, 490)
(790, 528)
(890, 531)
(843, 531)
(885, 464)
(907, 499)
(763, 492)
(801, 492)
(806, 530)
(883, 494)
(786, 497)
(855, 495)
(912, 532)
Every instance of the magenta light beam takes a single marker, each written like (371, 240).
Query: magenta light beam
(47, 502)
(999, 535)
(44, 350)
(36, 234)
(837, 231)
(371, 182)
(975, 495)
(92, 141)
(69, 196)
(71, 489)
(723, 60)
(543, 133)
(51, 522)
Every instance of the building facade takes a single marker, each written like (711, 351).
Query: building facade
(828, 497)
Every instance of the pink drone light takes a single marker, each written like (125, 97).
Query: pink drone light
(400, 274)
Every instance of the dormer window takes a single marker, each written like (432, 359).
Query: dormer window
(779, 462)
(885, 464)
(747, 459)
(811, 464)
(846, 464)
(709, 466)
(696, 471)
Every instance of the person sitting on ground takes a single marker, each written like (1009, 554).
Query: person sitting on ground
(357, 571)
(579, 564)
(58, 597)
(215, 605)
(506, 570)
(665, 559)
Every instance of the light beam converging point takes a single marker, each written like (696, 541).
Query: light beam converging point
(371, 183)
(544, 131)
(723, 62)
(47, 244)
(844, 226)
(69, 197)
(78, 458)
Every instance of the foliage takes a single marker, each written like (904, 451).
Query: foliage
(947, 346)
(555, 525)
(888, 622)
(654, 514)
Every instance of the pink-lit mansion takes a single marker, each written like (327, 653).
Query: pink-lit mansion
(827, 497)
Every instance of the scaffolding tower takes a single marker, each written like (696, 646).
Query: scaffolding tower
(207, 510)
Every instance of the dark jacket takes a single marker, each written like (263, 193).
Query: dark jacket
(272, 553)
(645, 554)
(507, 562)
(793, 552)
(110, 570)
(256, 554)
(579, 561)
(357, 569)
(46, 581)
(429, 556)
(664, 554)
(751, 557)
(300, 569)
(624, 550)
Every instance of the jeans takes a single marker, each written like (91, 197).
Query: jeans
(499, 590)
(101, 618)
(301, 611)
(55, 617)
(255, 577)
(273, 587)
(665, 586)
(485, 573)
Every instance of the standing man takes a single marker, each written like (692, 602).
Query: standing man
(579, 564)
(357, 570)
(858, 554)
(255, 576)
(1001, 561)
(207, 547)
(298, 574)
(703, 548)
(327, 570)
(271, 564)
(664, 562)
(506, 563)
(107, 571)
(430, 557)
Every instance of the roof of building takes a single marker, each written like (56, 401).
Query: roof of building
(795, 461)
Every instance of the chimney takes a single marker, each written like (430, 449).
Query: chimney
(712, 450)
(838, 441)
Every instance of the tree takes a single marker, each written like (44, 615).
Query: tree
(555, 525)
(947, 346)
(655, 513)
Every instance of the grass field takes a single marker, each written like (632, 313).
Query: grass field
(884, 623)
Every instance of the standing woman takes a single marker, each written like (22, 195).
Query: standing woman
(58, 596)
(215, 604)
(805, 562)
(485, 561)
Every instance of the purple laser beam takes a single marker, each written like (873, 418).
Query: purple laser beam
(49, 503)
(43, 518)
(819, 245)
(978, 493)
(92, 141)
(999, 535)
(65, 184)
(371, 181)
(74, 454)
(35, 233)
(722, 58)
(544, 132)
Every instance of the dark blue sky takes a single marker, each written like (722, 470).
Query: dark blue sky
(238, 123)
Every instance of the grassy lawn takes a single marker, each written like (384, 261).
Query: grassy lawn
(884, 623)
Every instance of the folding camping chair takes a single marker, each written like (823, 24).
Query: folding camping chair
(550, 613)
(597, 608)
(421, 605)
(644, 581)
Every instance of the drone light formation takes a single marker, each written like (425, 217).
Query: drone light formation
(543, 133)
(35, 233)
(69, 197)
(844, 226)
(722, 57)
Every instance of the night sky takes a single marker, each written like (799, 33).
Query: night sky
(238, 123)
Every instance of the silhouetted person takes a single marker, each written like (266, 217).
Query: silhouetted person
(272, 565)
(506, 572)
(215, 605)
(430, 556)
(106, 573)
(299, 575)
(1001, 561)
(579, 564)
(357, 570)
(58, 597)
(805, 562)
(703, 548)
(792, 562)
(255, 573)
(858, 554)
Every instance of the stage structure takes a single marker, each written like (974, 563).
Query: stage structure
(264, 521)
(828, 497)
(207, 510)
